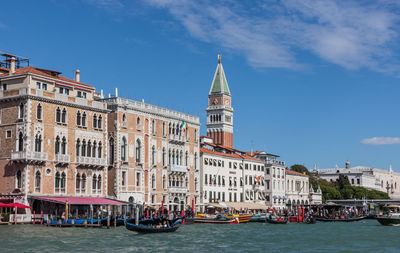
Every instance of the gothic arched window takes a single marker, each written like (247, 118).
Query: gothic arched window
(78, 183)
(64, 116)
(99, 150)
(153, 155)
(100, 122)
(39, 111)
(78, 118)
(18, 179)
(84, 119)
(20, 141)
(138, 148)
(123, 149)
(57, 145)
(94, 121)
(58, 115)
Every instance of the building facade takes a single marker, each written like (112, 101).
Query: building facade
(154, 153)
(367, 177)
(297, 189)
(274, 179)
(53, 136)
(229, 175)
(60, 138)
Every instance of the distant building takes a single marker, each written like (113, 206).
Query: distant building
(274, 179)
(297, 188)
(367, 177)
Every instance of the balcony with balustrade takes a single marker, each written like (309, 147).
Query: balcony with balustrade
(177, 139)
(62, 159)
(30, 157)
(94, 162)
(181, 190)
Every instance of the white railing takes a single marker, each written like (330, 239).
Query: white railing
(153, 109)
(61, 97)
(179, 168)
(174, 137)
(29, 155)
(91, 161)
(177, 189)
(276, 162)
(62, 158)
(81, 101)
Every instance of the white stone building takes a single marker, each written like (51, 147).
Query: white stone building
(367, 177)
(229, 175)
(297, 189)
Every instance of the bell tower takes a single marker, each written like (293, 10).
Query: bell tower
(219, 110)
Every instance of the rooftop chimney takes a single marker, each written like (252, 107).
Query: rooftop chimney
(101, 93)
(116, 92)
(78, 76)
(12, 65)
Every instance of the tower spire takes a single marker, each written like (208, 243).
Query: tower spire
(219, 110)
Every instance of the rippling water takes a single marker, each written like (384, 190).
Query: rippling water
(363, 236)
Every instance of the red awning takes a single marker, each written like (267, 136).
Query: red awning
(12, 205)
(81, 200)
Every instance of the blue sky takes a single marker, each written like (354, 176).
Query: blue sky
(316, 82)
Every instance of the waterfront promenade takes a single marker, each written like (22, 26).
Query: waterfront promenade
(363, 236)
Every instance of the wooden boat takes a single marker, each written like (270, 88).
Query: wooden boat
(258, 218)
(243, 218)
(325, 219)
(277, 220)
(147, 226)
(216, 221)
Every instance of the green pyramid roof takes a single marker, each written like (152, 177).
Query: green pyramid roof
(219, 84)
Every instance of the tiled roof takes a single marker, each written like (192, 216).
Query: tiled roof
(45, 73)
(292, 172)
(207, 151)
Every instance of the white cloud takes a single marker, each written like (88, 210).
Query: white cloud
(352, 34)
(381, 141)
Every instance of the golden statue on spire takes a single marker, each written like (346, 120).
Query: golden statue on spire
(219, 58)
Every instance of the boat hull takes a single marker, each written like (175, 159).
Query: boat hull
(147, 229)
(277, 221)
(388, 221)
(323, 219)
(214, 221)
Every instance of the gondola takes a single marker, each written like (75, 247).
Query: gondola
(310, 220)
(145, 226)
(277, 220)
(324, 219)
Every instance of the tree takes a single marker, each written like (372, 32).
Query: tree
(342, 181)
(330, 192)
(300, 168)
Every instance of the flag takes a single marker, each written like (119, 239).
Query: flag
(212, 179)
(183, 126)
(258, 178)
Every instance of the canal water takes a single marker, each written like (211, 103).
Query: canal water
(362, 236)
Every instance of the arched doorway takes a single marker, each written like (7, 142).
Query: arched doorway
(182, 205)
(176, 204)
